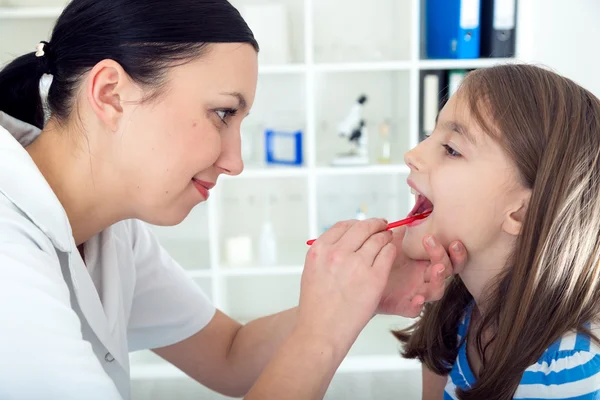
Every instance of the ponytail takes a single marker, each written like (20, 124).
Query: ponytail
(19, 89)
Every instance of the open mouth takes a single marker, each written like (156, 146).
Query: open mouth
(422, 204)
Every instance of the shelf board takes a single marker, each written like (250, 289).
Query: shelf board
(200, 273)
(350, 364)
(287, 172)
(270, 172)
(364, 66)
(364, 170)
(464, 63)
(30, 12)
(378, 364)
(281, 69)
(262, 271)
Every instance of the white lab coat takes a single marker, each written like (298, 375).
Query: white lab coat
(66, 328)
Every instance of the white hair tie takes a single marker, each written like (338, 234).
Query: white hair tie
(40, 50)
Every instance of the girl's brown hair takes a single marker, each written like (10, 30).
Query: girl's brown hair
(550, 127)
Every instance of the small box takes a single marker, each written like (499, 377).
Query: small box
(283, 147)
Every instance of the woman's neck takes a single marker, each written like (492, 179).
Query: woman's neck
(78, 179)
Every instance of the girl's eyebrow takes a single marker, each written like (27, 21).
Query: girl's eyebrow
(459, 128)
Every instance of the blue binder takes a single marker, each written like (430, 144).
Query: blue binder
(452, 28)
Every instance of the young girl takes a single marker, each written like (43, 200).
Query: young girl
(512, 170)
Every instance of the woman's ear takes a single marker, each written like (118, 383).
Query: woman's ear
(515, 215)
(106, 85)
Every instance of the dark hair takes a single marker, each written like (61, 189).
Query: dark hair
(143, 36)
(550, 127)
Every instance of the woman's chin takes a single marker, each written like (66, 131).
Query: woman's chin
(166, 216)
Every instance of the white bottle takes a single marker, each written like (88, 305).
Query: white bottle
(267, 244)
(361, 213)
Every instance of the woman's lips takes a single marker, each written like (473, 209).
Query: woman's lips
(203, 187)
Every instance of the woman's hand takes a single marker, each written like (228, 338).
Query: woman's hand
(345, 273)
(413, 282)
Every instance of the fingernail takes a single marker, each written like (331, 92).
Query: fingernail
(456, 248)
(430, 242)
(441, 271)
(421, 302)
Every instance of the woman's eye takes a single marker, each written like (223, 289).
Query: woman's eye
(451, 152)
(224, 114)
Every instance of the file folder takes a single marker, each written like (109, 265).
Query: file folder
(452, 28)
(433, 96)
(455, 78)
(498, 28)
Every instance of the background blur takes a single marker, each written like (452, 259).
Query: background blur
(246, 246)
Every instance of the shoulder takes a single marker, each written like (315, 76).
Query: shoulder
(17, 228)
(569, 369)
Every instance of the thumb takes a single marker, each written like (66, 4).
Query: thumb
(384, 260)
(398, 234)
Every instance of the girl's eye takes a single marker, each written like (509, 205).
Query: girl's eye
(224, 114)
(451, 152)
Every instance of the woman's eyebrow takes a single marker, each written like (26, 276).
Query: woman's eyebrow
(242, 103)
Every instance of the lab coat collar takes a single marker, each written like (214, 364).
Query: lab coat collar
(22, 183)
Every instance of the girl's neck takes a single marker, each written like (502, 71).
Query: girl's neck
(78, 180)
(483, 267)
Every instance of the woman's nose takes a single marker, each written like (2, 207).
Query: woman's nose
(231, 164)
(230, 161)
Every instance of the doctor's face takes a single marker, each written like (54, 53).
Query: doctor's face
(175, 147)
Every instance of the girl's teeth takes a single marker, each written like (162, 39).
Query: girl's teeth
(413, 191)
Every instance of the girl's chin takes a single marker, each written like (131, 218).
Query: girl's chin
(413, 248)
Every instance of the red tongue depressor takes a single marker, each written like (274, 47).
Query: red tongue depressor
(396, 224)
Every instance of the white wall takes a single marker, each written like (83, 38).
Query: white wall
(563, 35)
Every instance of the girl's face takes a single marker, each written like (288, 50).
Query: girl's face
(471, 184)
(173, 149)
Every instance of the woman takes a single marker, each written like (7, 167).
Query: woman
(142, 116)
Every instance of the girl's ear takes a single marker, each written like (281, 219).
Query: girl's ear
(515, 215)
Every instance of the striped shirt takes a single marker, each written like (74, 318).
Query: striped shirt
(568, 369)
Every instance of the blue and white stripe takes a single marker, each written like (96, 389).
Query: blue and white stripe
(568, 370)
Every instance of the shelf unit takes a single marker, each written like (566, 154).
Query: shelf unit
(314, 92)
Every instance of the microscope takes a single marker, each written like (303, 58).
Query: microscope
(353, 127)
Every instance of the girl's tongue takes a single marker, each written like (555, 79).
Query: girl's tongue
(423, 204)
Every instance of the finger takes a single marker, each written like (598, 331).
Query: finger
(434, 290)
(399, 233)
(414, 308)
(383, 262)
(436, 271)
(333, 234)
(358, 233)
(458, 256)
(437, 254)
(372, 248)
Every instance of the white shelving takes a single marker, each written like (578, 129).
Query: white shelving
(29, 12)
(364, 66)
(282, 69)
(463, 64)
(349, 365)
(262, 271)
(312, 94)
